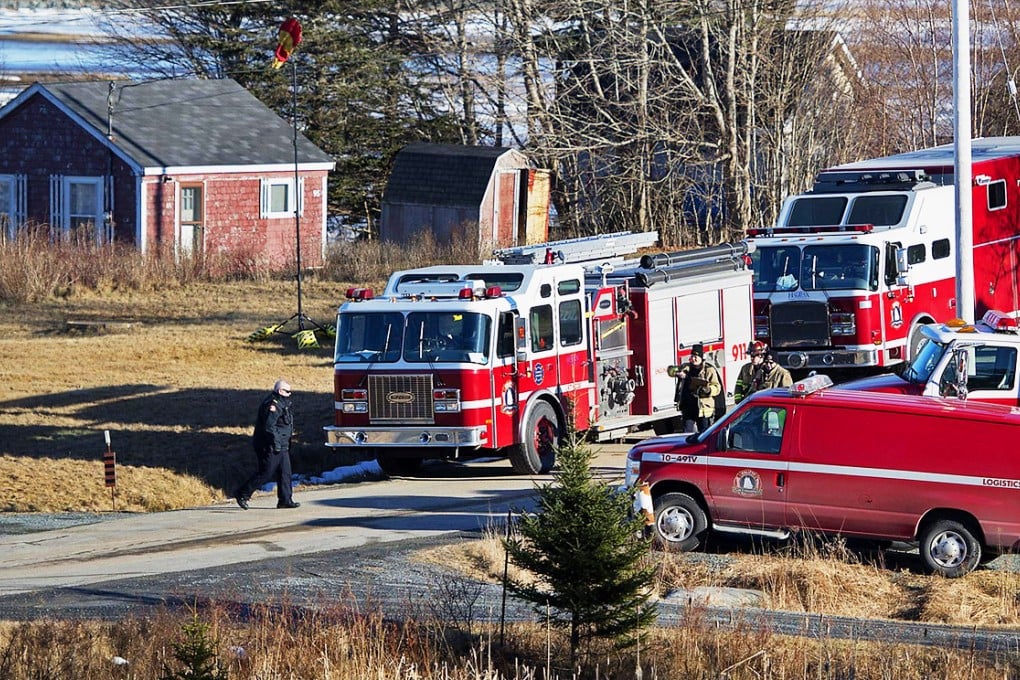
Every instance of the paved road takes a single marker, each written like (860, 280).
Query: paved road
(446, 500)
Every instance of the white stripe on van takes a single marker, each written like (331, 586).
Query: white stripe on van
(835, 470)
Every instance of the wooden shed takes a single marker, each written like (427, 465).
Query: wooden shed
(452, 190)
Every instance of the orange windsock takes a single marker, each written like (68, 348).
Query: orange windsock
(288, 40)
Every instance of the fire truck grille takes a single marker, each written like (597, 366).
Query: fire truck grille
(400, 398)
(800, 325)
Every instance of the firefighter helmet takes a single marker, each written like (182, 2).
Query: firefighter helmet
(757, 349)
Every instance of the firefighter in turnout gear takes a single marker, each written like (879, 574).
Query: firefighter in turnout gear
(774, 375)
(698, 385)
(749, 379)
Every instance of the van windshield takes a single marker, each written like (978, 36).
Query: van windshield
(929, 353)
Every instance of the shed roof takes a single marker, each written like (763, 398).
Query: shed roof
(442, 174)
(180, 123)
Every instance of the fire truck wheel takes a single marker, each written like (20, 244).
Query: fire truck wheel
(537, 452)
(397, 465)
(680, 522)
(949, 548)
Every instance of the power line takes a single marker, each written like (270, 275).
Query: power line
(71, 16)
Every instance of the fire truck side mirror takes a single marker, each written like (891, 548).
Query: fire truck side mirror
(521, 337)
(902, 267)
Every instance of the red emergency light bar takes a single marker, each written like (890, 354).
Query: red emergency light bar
(359, 294)
(490, 292)
(1000, 321)
(826, 229)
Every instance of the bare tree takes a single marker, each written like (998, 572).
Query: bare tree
(685, 116)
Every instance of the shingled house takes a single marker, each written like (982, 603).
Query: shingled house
(185, 166)
(452, 190)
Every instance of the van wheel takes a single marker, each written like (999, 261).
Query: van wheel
(537, 453)
(397, 465)
(949, 549)
(680, 522)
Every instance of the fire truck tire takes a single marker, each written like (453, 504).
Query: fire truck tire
(537, 452)
(665, 426)
(398, 465)
(949, 548)
(680, 522)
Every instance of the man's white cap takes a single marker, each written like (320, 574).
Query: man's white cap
(282, 387)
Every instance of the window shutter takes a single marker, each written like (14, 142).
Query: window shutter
(264, 199)
(20, 216)
(108, 213)
(301, 196)
(56, 205)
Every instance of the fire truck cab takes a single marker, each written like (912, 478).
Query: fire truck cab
(809, 458)
(501, 358)
(857, 265)
(979, 362)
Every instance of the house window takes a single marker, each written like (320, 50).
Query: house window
(76, 207)
(12, 204)
(278, 198)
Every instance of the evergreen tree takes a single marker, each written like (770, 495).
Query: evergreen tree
(587, 552)
(362, 93)
(197, 654)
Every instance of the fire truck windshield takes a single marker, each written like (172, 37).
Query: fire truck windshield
(836, 266)
(432, 337)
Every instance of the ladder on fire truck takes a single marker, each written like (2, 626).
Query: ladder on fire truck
(605, 247)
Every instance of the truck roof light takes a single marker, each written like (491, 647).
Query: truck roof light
(465, 294)
(814, 229)
(999, 321)
(359, 294)
(810, 384)
(954, 324)
(493, 292)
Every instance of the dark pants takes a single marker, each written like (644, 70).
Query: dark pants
(273, 467)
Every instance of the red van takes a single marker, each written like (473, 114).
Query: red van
(888, 467)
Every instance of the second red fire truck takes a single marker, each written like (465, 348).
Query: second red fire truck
(501, 358)
(857, 265)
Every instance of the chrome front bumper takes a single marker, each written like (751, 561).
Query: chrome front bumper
(830, 358)
(436, 437)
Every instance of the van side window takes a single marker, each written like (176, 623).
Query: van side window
(988, 368)
(758, 429)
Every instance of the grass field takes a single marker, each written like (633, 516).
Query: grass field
(173, 379)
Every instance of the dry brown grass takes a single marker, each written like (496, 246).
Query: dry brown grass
(832, 582)
(176, 384)
(340, 642)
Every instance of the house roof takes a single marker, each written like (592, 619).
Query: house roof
(442, 174)
(179, 124)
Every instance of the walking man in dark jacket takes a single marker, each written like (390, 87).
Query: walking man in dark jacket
(273, 429)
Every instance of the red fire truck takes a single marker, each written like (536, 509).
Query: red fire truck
(857, 265)
(499, 358)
